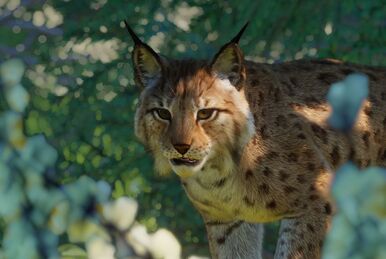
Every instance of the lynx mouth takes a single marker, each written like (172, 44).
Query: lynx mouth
(185, 161)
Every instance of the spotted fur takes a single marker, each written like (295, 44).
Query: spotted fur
(267, 154)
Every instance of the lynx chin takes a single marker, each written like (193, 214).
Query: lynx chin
(250, 142)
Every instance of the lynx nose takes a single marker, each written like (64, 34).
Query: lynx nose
(181, 148)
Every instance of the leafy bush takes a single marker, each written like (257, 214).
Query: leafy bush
(37, 210)
(359, 228)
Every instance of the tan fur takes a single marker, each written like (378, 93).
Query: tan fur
(269, 153)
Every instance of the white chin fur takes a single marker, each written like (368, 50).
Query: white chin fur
(184, 171)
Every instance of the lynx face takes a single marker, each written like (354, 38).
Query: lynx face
(191, 112)
(193, 119)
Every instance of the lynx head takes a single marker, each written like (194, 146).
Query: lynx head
(192, 113)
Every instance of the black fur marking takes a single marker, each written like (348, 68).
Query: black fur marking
(220, 183)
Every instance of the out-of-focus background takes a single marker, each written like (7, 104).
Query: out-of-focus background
(79, 76)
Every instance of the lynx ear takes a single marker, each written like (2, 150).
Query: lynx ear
(147, 63)
(229, 61)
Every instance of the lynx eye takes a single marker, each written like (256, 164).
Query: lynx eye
(206, 114)
(163, 114)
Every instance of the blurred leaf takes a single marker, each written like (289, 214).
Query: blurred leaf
(70, 251)
(11, 72)
(346, 99)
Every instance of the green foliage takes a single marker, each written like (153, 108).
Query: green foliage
(346, 99)
(359, 228)
(82, 92)
(37, 210)
(34, 208)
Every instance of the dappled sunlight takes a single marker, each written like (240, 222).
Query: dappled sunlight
(183, 15)
(11, 5)
(157, 41)
(328, 28)
(103, 51)
(48, 17)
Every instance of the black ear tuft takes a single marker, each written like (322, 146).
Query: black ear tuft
(134, 37)
(147, 64)
(229, 61)
(236, 39)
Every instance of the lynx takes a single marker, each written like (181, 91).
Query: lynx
(250, 142)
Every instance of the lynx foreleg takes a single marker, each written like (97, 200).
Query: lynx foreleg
(302, 237)
(235, 240)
